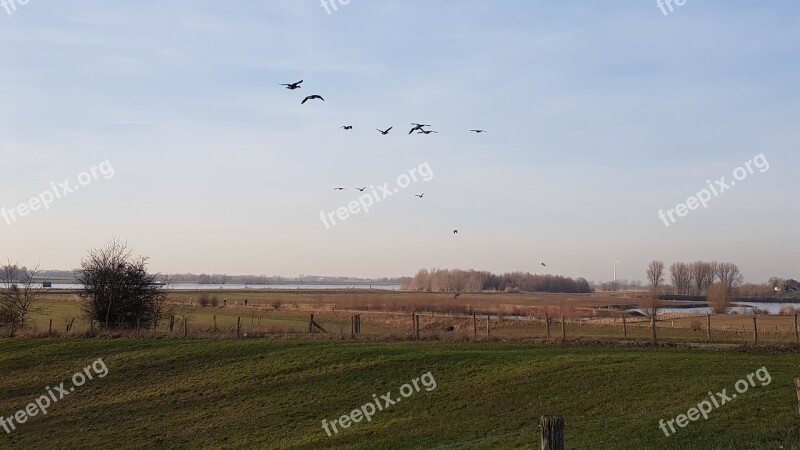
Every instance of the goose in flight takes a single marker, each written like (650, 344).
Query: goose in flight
(427, 132)
(455, 231)
(419, 195)
(346, 127)
(292, 86)
(544, 265)
(360, 189)
(385, 132)
(339, 189)
(311, 97)
(478, 131)
(417, 127)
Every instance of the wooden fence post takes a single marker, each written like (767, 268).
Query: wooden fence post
(171, 322)
(185, 328)
(547, 322)
(475, 324)
(796, 329)
(91, 327)
(552, 433)
(311, 324)
(563, 329)
(413, 322)
(50, 330)
(488, 325)
(755, 329)
(238, 325)
(215, 324)
(624, 327)
(708, 326)
(417, 326)
(137, 326)
(653, 325)
(797, 385)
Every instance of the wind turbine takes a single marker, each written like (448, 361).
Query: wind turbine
(614, 263)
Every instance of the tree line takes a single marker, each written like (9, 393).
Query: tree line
(720, 282)
(457, 280)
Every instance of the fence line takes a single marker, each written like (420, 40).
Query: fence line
(609, 328)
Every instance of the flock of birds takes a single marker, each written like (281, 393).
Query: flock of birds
(419, 128)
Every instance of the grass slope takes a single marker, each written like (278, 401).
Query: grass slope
(274, 394)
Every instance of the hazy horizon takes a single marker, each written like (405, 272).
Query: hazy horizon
(598, 116)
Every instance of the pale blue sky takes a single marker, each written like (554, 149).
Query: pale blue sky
(599, 114)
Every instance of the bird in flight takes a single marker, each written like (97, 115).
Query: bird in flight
(478, 131)
(346, 127)
(360, 189)
(417, 127)
(455, 231)
(544, 265)
(385, 132)
(339, 189)
(312, 97)
(419, 195)
(292, 86)
(427, 132)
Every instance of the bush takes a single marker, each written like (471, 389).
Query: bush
(118, 289)
(204, 300)
(719, 297)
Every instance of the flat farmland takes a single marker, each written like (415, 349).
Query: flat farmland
(388, 315)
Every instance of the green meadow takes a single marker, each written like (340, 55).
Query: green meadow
(164, 393)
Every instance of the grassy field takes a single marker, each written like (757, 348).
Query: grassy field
(387, 314)
(274, 393)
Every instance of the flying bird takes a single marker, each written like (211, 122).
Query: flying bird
(385, 132)
(427, 132)
(478, 131)
(292, 86)
(347, 127)
(419, 195)
(455, 231)
(360, 189)
(417, 127)
(340, 189)
(543, 264)
(311, 97)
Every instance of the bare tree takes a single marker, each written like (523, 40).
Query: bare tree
(18, 295)
(702, 275)
(728, 273)
(681, 276)
(655, 276)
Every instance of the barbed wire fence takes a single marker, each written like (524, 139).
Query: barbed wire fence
(673, 328)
